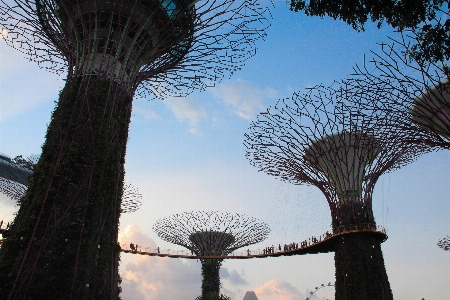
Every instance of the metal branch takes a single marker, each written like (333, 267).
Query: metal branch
(409, 97)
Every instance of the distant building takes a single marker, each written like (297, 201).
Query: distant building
(250, 296)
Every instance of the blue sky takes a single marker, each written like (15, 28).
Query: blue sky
(186, 154)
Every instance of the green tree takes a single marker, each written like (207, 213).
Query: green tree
(427, 18)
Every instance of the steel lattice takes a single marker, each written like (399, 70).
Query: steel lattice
(211, 234)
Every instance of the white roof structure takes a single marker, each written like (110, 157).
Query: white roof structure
(431, 111)
(250, 295)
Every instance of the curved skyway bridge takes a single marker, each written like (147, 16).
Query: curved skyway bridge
(321, 244)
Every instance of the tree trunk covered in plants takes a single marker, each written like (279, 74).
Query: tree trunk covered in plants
(360, 270)
(352, 211)
(210, 278)
(63, 242)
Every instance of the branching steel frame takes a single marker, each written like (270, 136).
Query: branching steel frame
(323, 138)
(211, 234)
(444, 243)
(411, 95)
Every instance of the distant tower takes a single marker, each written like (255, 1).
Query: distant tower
(316, 139)
(250, 295)
(211, 234)
(64, 238)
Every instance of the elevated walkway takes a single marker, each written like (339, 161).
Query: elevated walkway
(324, 244)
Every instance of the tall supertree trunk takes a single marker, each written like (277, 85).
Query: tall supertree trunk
(65, 233)
(360, 270)
(210, 278)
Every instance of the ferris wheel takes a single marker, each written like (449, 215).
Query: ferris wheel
(328, 288)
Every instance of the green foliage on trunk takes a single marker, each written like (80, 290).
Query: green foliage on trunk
(213, 296)
(210, 278)
(352, 213)
(360, 270)
(64, 239)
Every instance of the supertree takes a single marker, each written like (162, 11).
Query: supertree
(63, 242)
(211, 234)
(14, 174)
(316, 139)
(413, 94)
(444, 243)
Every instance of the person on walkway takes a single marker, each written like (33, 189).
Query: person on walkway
(158, 249)
(136, 249)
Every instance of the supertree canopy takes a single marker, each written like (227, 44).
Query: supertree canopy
(63, 242)
(14, 174)
(444, 244)
(11, 169)
(211, 234)
(414, 95)
(318, 139)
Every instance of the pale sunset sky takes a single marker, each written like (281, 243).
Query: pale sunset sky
(187, 154)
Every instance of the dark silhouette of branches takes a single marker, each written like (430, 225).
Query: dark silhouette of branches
(326, 138)
(411, 96)
(444, 243)
(211, 234)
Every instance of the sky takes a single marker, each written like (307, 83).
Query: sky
(187, 154)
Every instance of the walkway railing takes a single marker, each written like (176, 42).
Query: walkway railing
(315, 244)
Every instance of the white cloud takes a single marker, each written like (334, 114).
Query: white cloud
(230, 293)
(132, 234)
(155, 278)
(7, 209)
(281, 290)
(233, 277)
(145, 112)
(193, 130)
(244, 98)
(186, 109)
(161, 278)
